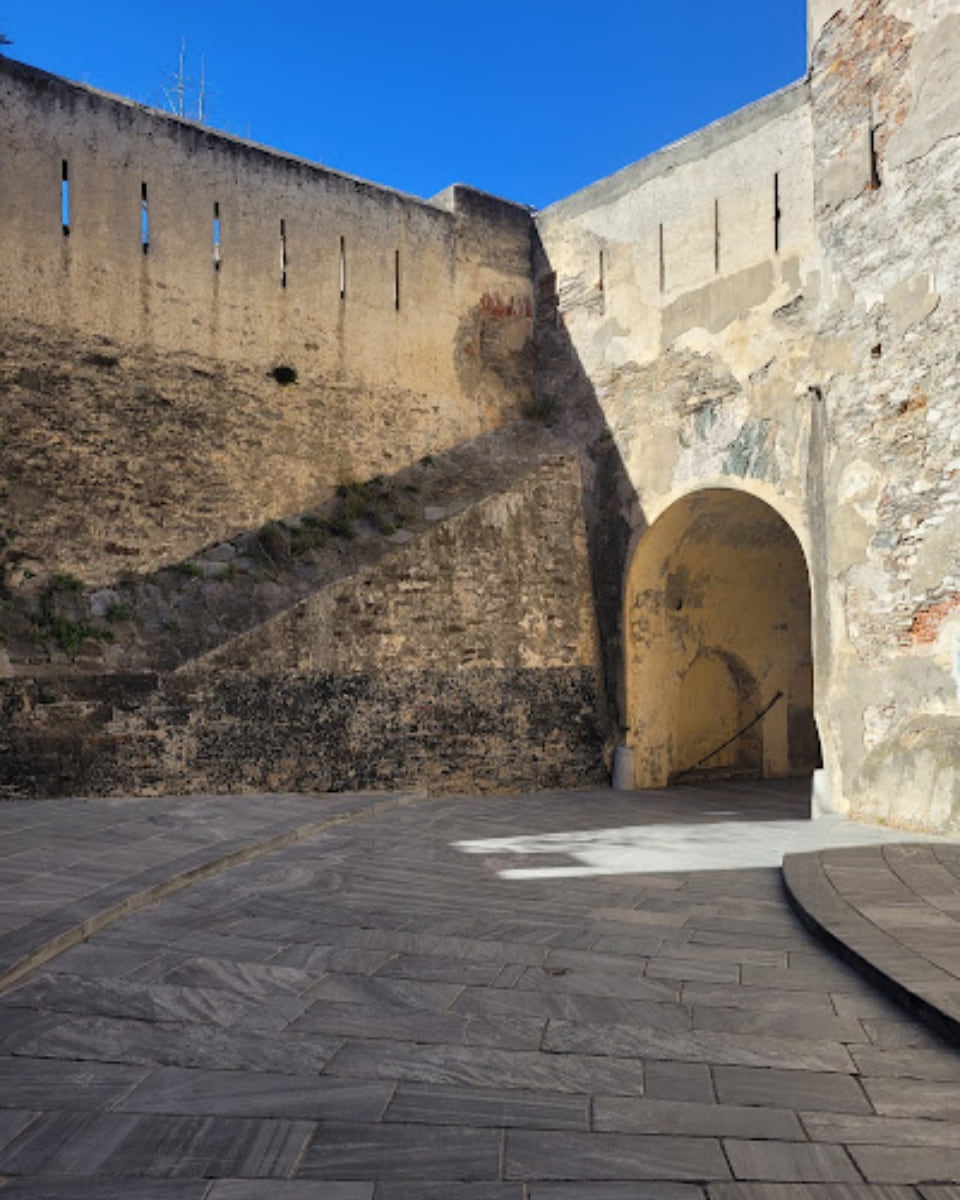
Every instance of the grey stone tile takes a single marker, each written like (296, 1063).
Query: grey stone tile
(36, 1083)
(107, 1189)
(587, 1010)
(12, 1122)
(181, 1147)
(271, 1015)
(400, 1024)
(811, 1090)
(913, 1063)
(591, 960)
(645, 915)
(832, 975)
(252, 981)
(610, 1156)
(123, 998)
(787, 1162)
(177, 1091)
(508, 975)
(391, 993)
(708, 952)
(29, 1151)
(478, 1107)
(693, 969)
(939, 1192)
(899, 1164)
(414, 1152)
(914, 1098)
(595, 983)
(633, 946)
(666, 1080)
(439, 969)
(449, 1190)
(211, 944)
(816, 1026)
(767, 999)
(637, 1190)
(111, 1039)
(97, 959)
(807, 1191)
(625, 1114)
(287, 1189)
(865, 1005)
(780, 942)
(880, 1131)
(494, 1068)
(730, 1048)
(320, 959)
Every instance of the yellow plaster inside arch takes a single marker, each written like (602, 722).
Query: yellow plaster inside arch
(717, 622)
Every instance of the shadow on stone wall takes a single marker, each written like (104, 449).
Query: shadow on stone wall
(567, 398)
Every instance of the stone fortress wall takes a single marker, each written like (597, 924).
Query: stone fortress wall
(170, 269)
(743, 350)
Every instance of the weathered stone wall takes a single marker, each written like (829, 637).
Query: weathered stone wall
(464, 661)
(717, 606)
(887, 119)
(815, 369)
(767, 308)
(141, 417)
(695, 350)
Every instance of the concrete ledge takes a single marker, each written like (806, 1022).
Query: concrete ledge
(893, 913)
(28, 946)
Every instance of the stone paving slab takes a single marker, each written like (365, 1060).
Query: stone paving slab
(893, 911)
(432, 1000)
(81, 864)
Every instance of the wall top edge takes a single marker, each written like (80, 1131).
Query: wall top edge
(447, 201)
(697, 145)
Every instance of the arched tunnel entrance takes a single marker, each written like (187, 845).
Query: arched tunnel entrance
(719, 667)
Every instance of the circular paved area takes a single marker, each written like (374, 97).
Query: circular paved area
(486, 999)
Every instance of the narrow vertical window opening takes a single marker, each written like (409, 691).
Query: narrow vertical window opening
(875, 180)
(283, 253)
(144, 219)
(716, 237)
(217, 254)
(343, 268)
(396, 280)
(602, 281)
(65, 198)
(777, 214)
(663, 264)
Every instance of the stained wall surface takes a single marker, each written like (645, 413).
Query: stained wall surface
(767, 306)
(464, 661)
(767, 310)
(717, 611)
(155, 274)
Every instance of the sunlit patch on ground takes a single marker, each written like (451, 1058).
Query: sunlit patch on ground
(657, 848)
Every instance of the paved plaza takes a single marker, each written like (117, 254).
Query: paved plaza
(567, 995)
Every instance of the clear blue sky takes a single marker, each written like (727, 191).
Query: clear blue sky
(528, 100)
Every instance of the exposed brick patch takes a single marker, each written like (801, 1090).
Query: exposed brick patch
(925, 626)
(495, 305)
(860, 73)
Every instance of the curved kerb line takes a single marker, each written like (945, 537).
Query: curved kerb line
(176, 883)
(909, 998)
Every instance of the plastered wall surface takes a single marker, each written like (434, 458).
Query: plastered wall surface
(717, 612)
(695, 341)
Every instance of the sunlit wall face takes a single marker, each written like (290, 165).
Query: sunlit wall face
(717, 622)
